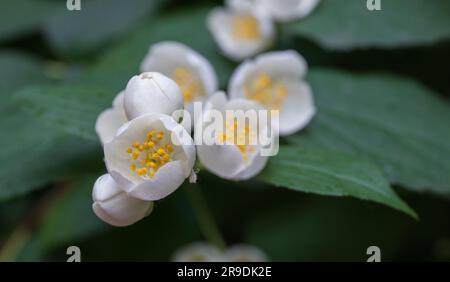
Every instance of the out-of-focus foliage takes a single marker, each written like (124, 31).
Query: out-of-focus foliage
(372, 127)
(72, 107)
(101, 20)
(393, 121)
(31, 154)
(21, 17)
(348, 24)
(328, 173)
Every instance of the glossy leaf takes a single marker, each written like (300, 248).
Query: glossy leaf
(97, 22)
(348, 24)
(325, 172)
(396, 122)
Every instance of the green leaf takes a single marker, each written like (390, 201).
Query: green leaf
(59, 223)
(72, 108)
(348, 24)
(20, 17)
(187, 26)
(75, 205)
(325, 172)
(83, 31)
(16, 70)
(32, 154)
(323, 229)
(146, 239)
(393, 121)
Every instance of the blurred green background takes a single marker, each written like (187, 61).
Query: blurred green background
(49, 160)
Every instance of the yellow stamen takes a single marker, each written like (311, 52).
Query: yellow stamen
(135, 155)
(189, 84)
(154, 155)
(238, 135)
(142, 171)
(265, 91)
(245, 27)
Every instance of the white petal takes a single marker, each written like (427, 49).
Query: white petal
(226, 161)
(151, 92)
(286, 10)
(198, 252)
(298, 107)
(253, 167)
(114, 206)
(220, 24)
(205, 71)
(108, 122)
(165, 57)
(282, 63)
(240, 4)
(239, 78)
(216, 101)
(117, 160)
(223, 160)
(245, 253)
(166, 180)
(243, 104)
(118, 101)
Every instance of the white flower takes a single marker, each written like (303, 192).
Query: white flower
(191, 71)
(151, 92)
(110, 120)
(275, 80)
(204, 252)
(116, 207)
(232, 153)
(198, 252)
(241, 31)
(150, 156)
(286, 10)
(245, 253)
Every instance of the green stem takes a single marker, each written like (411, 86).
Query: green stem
(204, 216)
(15, 243)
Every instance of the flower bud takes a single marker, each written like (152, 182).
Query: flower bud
(151, 92)
(116, 207)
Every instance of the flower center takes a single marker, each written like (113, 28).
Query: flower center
(245, 27)
(189, 84)
(149, 156)
(241, 135)
(267, 92)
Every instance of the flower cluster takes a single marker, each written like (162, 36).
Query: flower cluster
(148, 154)
(146, 134)
(203, 252)
(244, 28)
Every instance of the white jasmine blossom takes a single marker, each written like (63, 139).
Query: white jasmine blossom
(151, 92)
(198, 252)
(150, 156)
(287, 10)
(116, 207)
(241, 31)
(245, 253)
(204, 252)
(275, 80)
(233, 151)
(110, 120)
(191, 71)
